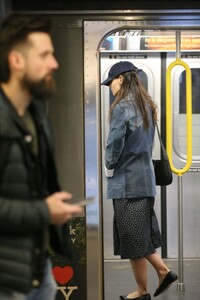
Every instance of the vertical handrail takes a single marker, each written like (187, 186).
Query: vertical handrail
(181, 171)
(188, 116)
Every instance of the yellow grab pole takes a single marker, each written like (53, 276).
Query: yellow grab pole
(179, 172)
(188, 116)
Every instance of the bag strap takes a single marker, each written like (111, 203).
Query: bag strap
(164, 153)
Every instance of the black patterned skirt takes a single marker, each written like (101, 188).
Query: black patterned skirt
(136, 232)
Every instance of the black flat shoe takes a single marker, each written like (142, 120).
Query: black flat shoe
(167, 281)
(143, 297)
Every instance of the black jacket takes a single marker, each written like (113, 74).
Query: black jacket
(25, 181)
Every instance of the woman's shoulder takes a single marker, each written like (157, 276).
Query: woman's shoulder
(126, 105)
(123, 110)
(120, 109)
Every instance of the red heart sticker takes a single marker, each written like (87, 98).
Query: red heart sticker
(63, 275)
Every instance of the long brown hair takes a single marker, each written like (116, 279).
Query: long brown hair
(132, 85)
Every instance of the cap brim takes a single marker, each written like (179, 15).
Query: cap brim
(106, 82)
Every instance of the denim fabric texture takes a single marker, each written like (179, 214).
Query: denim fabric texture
(129, 153)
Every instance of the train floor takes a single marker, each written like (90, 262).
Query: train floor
(119, 280)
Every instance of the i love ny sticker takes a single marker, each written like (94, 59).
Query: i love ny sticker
(63, 275)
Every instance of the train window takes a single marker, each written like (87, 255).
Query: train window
(195, 92)
(180, 122)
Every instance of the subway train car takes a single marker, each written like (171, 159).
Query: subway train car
(90, 37)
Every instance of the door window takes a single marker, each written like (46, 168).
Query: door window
(180, 130)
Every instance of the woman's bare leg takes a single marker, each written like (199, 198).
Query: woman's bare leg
(139, 267)
(159, 265)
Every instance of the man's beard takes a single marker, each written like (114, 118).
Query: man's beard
(42, 89)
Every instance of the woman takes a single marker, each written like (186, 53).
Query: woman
(131, 179)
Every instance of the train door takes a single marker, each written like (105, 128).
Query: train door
(151, 70)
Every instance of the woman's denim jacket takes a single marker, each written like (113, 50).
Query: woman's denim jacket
(129, 153)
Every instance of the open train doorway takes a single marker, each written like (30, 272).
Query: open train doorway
(153, 51)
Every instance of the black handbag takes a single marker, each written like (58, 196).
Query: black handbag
(162, 169)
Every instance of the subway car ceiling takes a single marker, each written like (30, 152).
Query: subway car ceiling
(56, 5)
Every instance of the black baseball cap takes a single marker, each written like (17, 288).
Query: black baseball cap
(118, 69)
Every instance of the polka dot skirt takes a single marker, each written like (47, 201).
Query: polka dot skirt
(136, 232)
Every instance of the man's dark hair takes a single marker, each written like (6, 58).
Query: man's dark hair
(14, 31)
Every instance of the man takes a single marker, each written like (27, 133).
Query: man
(32, 207)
